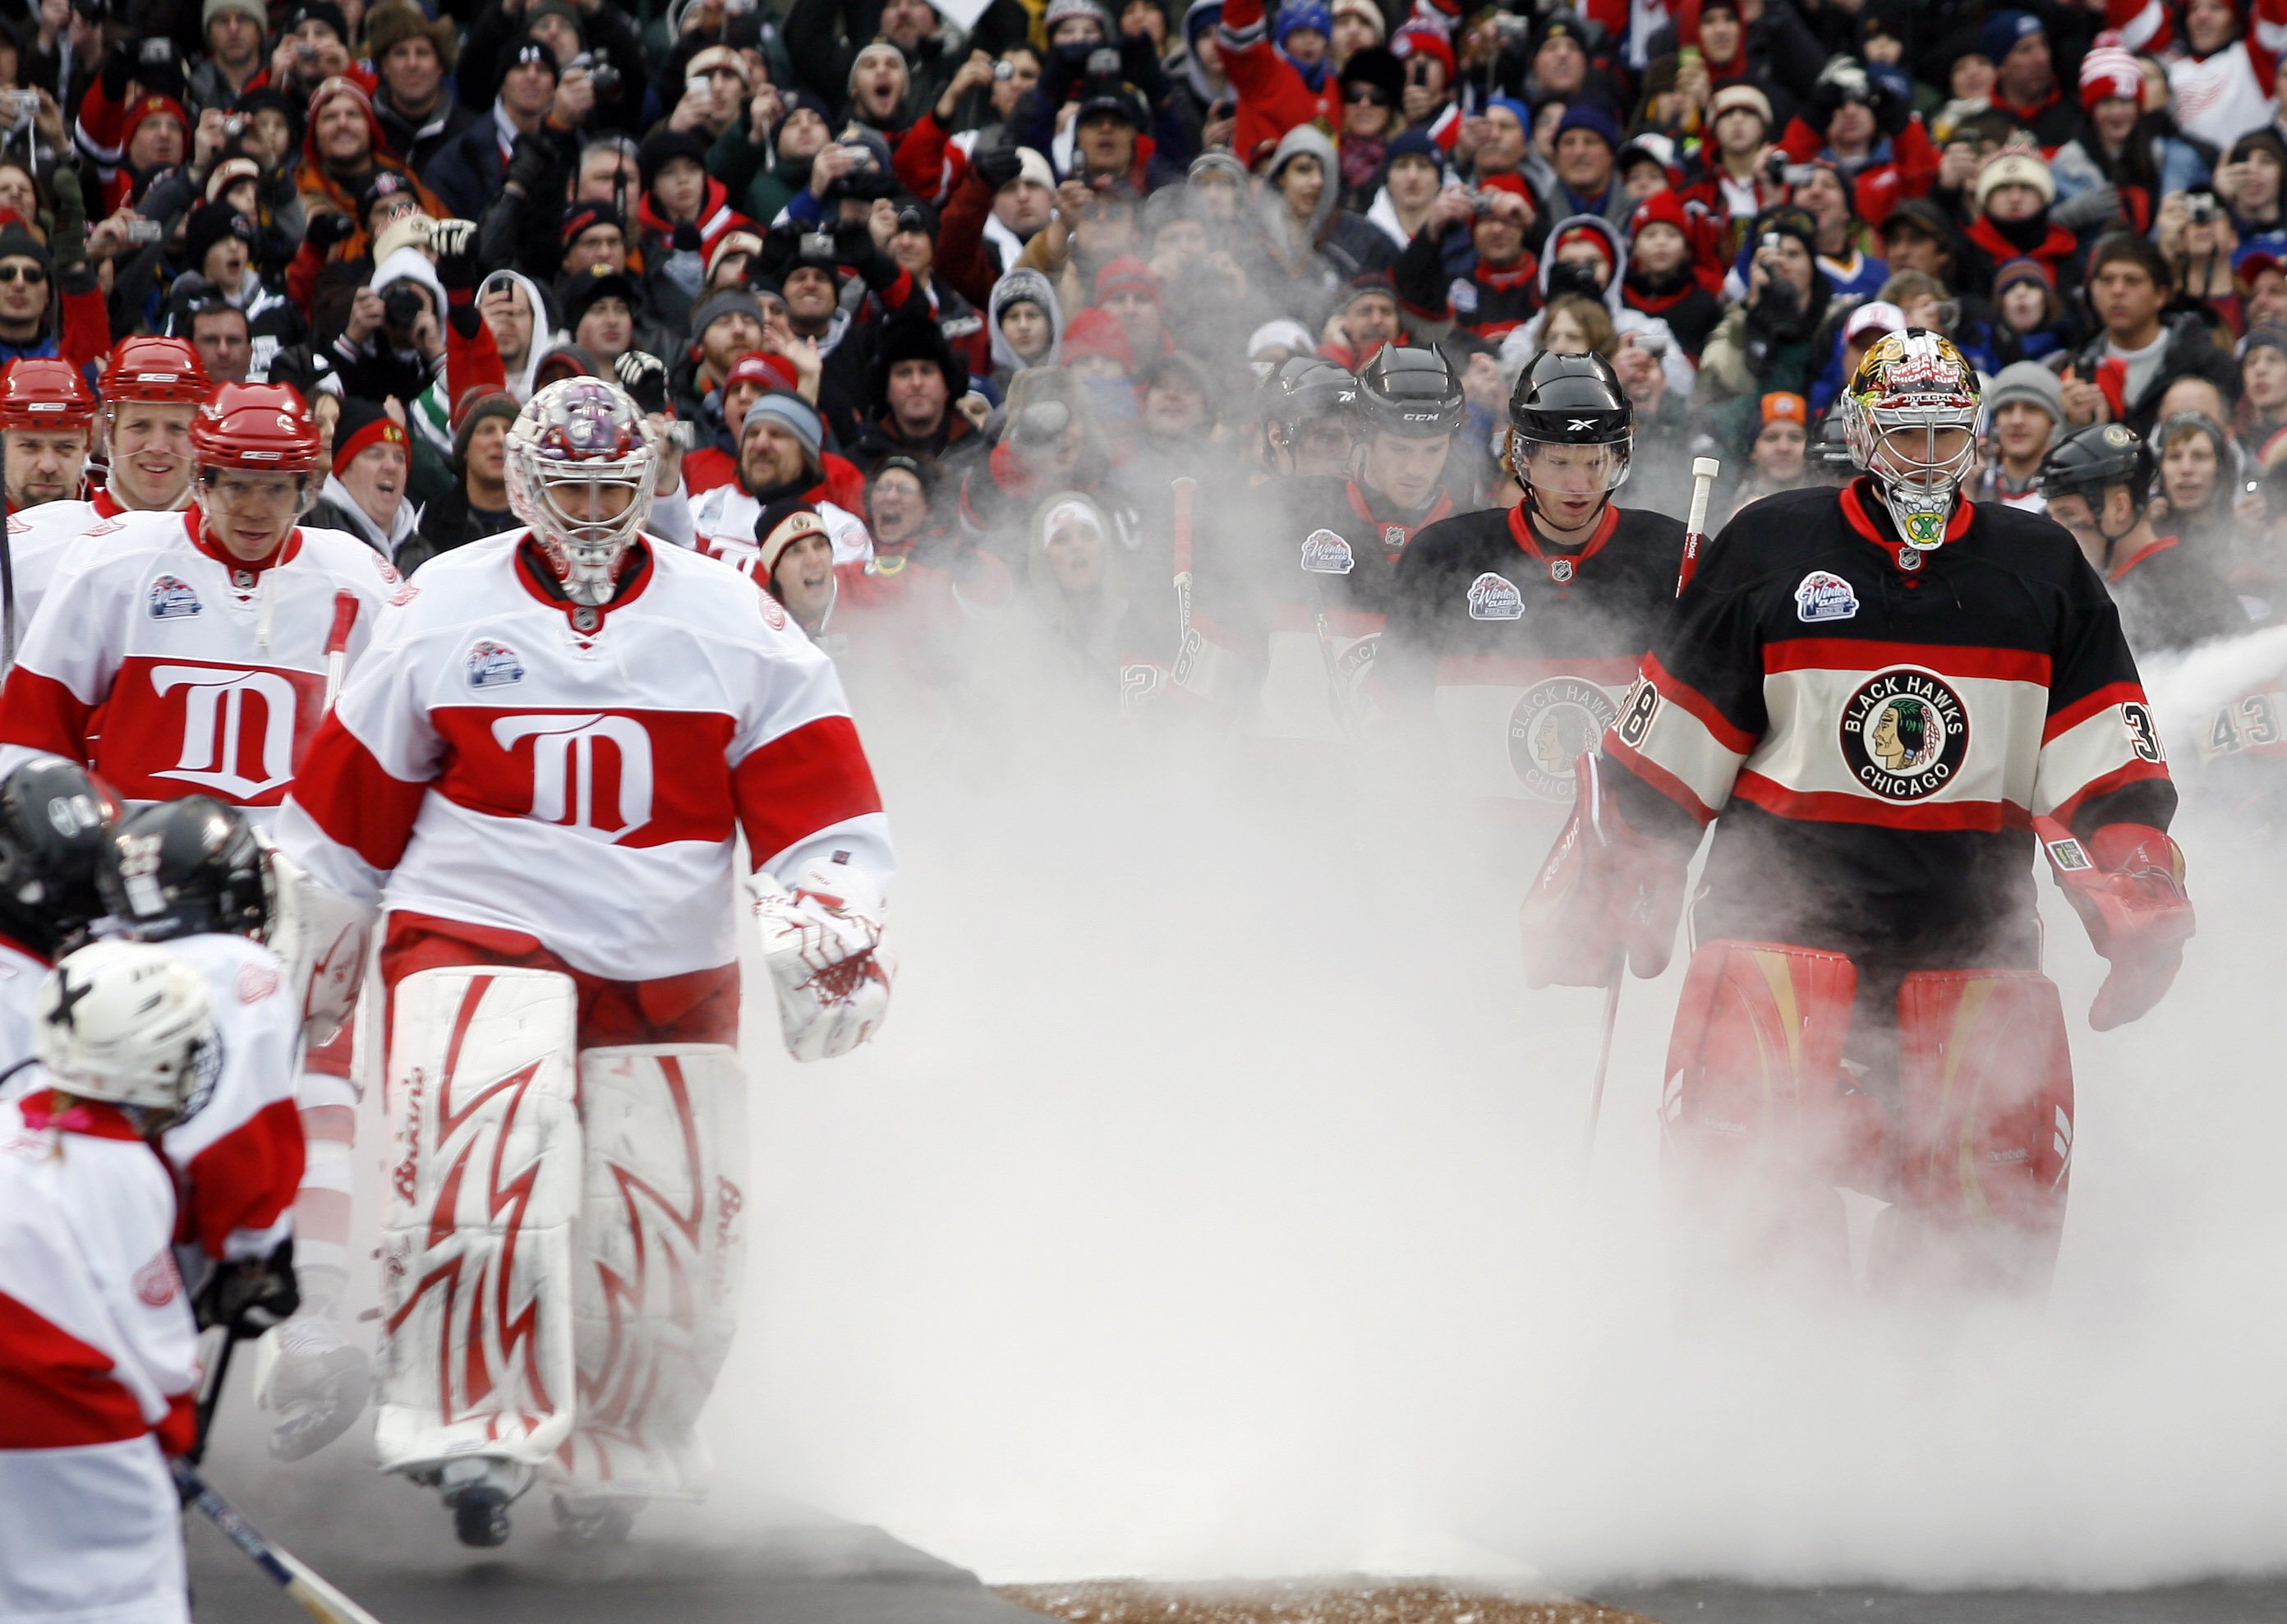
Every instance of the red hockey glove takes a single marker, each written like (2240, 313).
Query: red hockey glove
(1602, 890)
(2127, 886)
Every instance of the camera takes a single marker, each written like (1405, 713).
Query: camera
(145, 230)
(1003, 71)
(818, 245)
(233, 126)
(402, 305)
(602, 74)
(1103, 63)
(2201, 209)
(681, 435)
(17, 106)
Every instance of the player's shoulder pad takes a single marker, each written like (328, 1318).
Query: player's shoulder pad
(361, 567)
(2028, 544)
(713, 597)
(1774, 534)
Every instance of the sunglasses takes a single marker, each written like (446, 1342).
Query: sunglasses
(1366, 95)
(30, 273)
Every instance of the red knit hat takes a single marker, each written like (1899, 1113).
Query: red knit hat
(1096, 331)
(759, 367)
(1428, 41)
(148, 107)
(363, 424)
(1660, 209)
(1512, 183)
(1126, 275)
(2109, 71)
(1582, 233)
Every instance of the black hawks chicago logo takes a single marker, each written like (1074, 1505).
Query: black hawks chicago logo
(1552, 724)
(1905, 733)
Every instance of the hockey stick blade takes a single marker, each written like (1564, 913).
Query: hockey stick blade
(303, 1587)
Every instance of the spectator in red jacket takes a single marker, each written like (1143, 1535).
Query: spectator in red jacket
(1276, 90)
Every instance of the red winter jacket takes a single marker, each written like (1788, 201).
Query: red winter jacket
(1879, 187)
(1273, 96)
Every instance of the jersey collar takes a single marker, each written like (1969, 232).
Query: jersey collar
(1520, 532)
(1363, 509)
(97, 1119)
(1859, 518)
(243, 573)
(106, 504)
(2158, 544)
(540, 580)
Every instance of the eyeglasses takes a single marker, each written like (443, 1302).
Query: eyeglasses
(29, 273)
(1366, 95)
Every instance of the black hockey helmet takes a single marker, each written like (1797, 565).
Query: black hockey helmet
(184, 868)
(1410, 392)
(53, 814)
(1831, 457)
(1572, 400)
(1306, 386)
(2091, 461)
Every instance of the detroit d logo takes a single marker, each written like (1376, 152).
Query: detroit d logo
(1905, 733)
(1552, 724)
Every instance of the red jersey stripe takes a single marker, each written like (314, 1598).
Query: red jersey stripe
(351, 797)
(2104, 699)
(1946, 659)
(801, 782)
(1727, 734)
(1836, 806)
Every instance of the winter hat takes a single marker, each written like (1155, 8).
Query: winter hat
(17, 243)
(1065, 11)
(779, 526)
(1366, 285)
(772, 372)
(528, 48)
(1738, 95)
(2015, 168)
(583, 217)
(2109, 71)
(1428, 40)
(2265, 338)
(380, 186)
(1373, 66)
(916, 339)
(148, 108)
(880, 47)
(1415, 143)
(1098, 332)
(365, 422)
(1589, 235)
(2250, 258)
(662, 146)
(319, 11)
(2029, 381)
(791, 411)
(1587, 115)
(252, 101)
(1285, 333)
(392, 22)
(1366, 9)
(253, 9)
(1785, 405)
(210, 224)
(1660, 209)
(578, 293)
(228, 173)
(564, 9)
(1874, 316)
(1125, 274)
(794, 104)
(2003, 31)
(722, 302)
(1220, 163)
(2024, 268)
(474, 408)
(1303, 14)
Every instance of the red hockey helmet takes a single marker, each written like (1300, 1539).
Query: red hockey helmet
(159, 370)
(263, 428)
(39, 393)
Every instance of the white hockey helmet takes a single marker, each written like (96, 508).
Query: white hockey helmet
(128, 1023)
(580, 470)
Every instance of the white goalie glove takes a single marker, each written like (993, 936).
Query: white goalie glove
(822, 941)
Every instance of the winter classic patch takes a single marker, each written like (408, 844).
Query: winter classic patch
(1325, 553)
(1495, 597)
(1823, 597)
(172, 599)
(494, 665)
(1552, 724)
(1905, 733)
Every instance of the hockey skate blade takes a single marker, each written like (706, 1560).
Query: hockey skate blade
(313, 1396)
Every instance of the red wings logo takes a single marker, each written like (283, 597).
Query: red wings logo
(156, 1281)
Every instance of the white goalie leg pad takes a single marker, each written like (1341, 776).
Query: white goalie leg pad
(659, 1260)
(324, 938)
(484, 1188)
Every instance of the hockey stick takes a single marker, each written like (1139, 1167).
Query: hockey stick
(7, 575)
(1603, 1053)
(1703, 471)
(337, 643)
(1187, 641)
(312, 1593)
(210, 1400)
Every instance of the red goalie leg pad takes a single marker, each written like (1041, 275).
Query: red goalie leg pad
(1758, 1127)
(1985, 1129)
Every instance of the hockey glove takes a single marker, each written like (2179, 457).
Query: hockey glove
(454, 244)
(1604, 892)
(2127, 886)
(328, 227)
(252, 1295)
(997, 166)
(644, 379)
(822, 942)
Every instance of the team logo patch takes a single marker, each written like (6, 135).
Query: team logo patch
(1394, 538)
(257, 982)
(1823, 597)
(2069, 855)
(494, 665)
(1495, 597)
(774, 616)
(1325, 553)
(1561, 571)
(1552, 724)
(884, 565)
(172, 599)
(156, 1281)
(1905, 733)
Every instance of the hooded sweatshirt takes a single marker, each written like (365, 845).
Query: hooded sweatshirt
(519, 382)
(1023, 283)
(1522, 344)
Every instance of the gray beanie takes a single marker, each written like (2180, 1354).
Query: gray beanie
(792, 410)
(2027, 380)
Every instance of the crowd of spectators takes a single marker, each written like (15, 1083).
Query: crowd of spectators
(973, 296)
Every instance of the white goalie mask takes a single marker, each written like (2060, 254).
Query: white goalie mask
(1910, 418)
(580, 470)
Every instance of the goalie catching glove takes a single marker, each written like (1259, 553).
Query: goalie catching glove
(821, 939)
(2126, 883)
(1604, 891)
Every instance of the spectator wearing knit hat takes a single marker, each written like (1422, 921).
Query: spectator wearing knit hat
(2014, 193)
(724, 326)
(1587, 165)
(43, 313)
(2023, 417)
(364, 491)
(1663, 277)
(751, 376)
(477, 505)
(233, 31)
(342, 153)
(763, 168)
(917, 383)
(1866, 128)
(2121, 160)
(606, 33)
(470, 166)
(314, 45)
(2024, 75)
(2262, 414)
(217, 243)
(780, 457)
(794, 562)
(684, 211)
(1276, 91)
(413, 55)
(1738, 185)
(1500, 288)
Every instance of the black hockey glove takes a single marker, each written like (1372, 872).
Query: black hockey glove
(454, 244)
(326, 227)
(998, 167)
(645, 377)
(251, 1297)
(1892, 111)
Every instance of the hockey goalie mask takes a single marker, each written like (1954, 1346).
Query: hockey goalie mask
(581, 471)
(1911, 413)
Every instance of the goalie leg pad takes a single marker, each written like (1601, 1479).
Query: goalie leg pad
(659, 1260)
(484, 1187)
(1985, 1129)
(1757, 1125)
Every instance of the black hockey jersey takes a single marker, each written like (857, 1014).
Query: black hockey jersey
(2170, 599)
(1523, 649)
(1872, 729)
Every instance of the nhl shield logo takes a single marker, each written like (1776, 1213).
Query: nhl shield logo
(1561, 571)
(1394, 538)
(1325, 553)
(1905, 733)
(1551, 724)
(172, 599)
(494, 665)
(1823, 597)
(1495, 597)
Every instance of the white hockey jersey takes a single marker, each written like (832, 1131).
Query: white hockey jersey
(97, 1354)
(21, 971)
(724, 519)
(506, 758)
(209, 676)
(38, 541)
